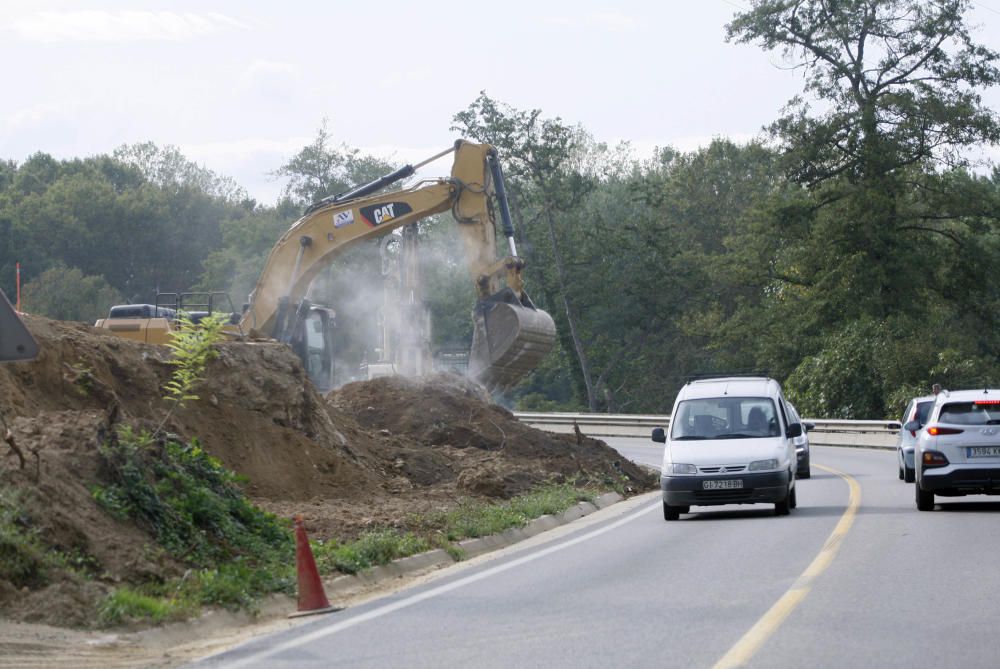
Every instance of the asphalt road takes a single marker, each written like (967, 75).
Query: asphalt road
(854, 577)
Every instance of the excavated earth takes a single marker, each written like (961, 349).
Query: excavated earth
(371, 454)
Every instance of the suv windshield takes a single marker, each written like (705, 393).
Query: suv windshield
(970, 413)
(725, 418)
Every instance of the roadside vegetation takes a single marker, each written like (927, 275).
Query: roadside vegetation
(237, 554)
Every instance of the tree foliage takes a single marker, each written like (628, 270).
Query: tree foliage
(321, 169)
(900, 81)
(66, 294)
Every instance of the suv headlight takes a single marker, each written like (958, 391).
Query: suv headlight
(763, 465)
(678, 468)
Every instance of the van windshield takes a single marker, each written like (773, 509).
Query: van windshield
(725, 418)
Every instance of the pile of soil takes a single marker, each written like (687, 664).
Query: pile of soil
(370, 454)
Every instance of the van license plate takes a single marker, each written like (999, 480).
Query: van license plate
(722, 485)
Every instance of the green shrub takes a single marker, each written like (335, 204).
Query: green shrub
(240, 585)
(187, 499)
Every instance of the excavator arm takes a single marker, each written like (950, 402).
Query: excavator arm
(510, 335)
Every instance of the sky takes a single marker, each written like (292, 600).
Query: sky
(240, 86)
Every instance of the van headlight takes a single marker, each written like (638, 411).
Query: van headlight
(763, 465)
(678, 468)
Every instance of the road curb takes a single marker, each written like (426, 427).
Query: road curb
(470, 548)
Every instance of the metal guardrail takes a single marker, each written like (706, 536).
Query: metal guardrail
(827, 432)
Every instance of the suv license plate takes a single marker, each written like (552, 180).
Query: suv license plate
(983, 451)
(722, 485)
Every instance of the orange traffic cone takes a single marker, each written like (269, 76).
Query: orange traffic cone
(312, 598)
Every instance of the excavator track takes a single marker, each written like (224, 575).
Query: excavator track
(510, 337)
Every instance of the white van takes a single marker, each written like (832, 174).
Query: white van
(731, 442)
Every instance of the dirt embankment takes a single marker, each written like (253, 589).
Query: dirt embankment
(370, 454)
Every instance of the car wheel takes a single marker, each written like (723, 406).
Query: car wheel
(783, 508)
(909, 475)
(804, 473)
(671, 512)
(901, 474)
(925, 499)
(792, 499)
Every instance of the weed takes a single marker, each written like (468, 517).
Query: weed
(239, 585)
(473, 519)
(193, 346)
(376, 547)
(127, 605)
(83, 378)
(23, 558)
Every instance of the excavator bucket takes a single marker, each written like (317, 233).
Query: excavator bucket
(509, 339)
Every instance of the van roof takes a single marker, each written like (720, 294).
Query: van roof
(737, 386)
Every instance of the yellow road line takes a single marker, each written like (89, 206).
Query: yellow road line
(769, 623)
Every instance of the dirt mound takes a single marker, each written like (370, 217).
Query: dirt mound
(444, 429)
(370, 454)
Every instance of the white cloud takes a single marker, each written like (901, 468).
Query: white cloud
(128, 26)
(242, 149)
(266, 76)
(415, 75)
(606, 21)
(31, 116)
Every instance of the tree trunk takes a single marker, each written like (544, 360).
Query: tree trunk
(581, 355)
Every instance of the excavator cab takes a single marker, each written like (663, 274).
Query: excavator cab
(312, 340)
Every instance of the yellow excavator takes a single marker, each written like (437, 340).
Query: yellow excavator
(510, 335)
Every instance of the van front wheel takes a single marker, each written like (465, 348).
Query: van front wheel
(783, 507)
(671, 512)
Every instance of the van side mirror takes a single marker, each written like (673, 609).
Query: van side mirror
(913, 426)
(659, 436)
(809, 427)
(794, 430)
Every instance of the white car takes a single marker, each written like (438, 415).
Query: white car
(731, 442)
(916, 411)
(803, 470)
(958, 450)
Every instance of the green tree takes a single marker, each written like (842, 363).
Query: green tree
(321, 169)
(66, 294)
(541, 158)
(888, 242)
(901, 80)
